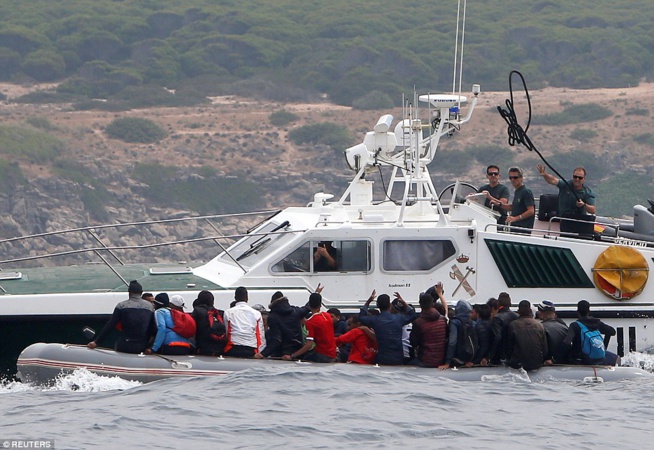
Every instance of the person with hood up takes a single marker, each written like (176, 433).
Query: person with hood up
(527, 343)
(210, 334)
(429, 333)
(462, 344)
(167, 341)
(572, 341)
(284, 335)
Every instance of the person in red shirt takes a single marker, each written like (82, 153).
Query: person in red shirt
(320, 328)
(362, 338)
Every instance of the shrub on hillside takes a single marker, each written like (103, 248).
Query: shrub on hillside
(282, 118)
(373, 100)
(327, 133)
(135, 130)
(586, 112)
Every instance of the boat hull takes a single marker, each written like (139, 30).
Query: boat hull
(42, 363)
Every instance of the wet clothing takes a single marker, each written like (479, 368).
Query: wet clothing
(284, 335)
(388, 330)
(527, 344)
(134, 318)
(362, 350)
(522, 198)
(320, 329)
(167, 341)
(568, 199)
(555, 331)
(461, 318)
(484, 338)
(572, 340)
(429, 338)
(204, 343)
(499, 192)
(244, 330)
(500, 328)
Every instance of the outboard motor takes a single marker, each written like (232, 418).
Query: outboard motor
(643, 220)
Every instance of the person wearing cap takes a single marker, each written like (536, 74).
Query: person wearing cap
(134, 318)
(387, 327)
(284, 335)
(167, 341)
(246, 335)
(500, 325)
(572, 340)
(527, 343)
(555, 331)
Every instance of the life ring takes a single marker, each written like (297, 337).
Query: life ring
(620, 272)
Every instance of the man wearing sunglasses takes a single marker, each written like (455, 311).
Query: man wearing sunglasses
(523, 206)
(581, 201)
(496, 193)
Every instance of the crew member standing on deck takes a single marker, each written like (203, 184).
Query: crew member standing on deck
(496, 193)
(523, 206)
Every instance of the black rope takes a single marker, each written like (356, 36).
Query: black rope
(517, 134)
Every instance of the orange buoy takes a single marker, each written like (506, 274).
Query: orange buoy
(620, 272)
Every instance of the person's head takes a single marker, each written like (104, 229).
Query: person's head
(335, 313)
(259, 307)
(578, 178)
(546, 310)
(483, 311)
(463, 308)
(504, 300)
(494, 305)
(583, 308)
(515, 175)
(177, 302)
(383, 302)
(135, 288)
(524, 309)
(161, 300)
(276, 295)
(148, 296)
(315, 301)
(241, 294)
(493, 174)
(204, 298)
(426, 301)
(277, 302)
(353, 322)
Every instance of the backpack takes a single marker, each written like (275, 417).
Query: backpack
(466, 340)
(184, 324)
(592, 343)
(217, 330)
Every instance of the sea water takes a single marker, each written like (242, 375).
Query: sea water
(324, 407)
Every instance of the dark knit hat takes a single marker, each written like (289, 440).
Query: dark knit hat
(162, 300)
(205, 298)
(135, 287)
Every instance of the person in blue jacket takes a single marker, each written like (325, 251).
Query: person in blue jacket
(387, 327)
(167, 342)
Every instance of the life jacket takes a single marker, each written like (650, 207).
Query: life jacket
(184, 324)
(217, 330)
(592, 343)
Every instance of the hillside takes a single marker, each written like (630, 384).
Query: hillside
(234, 137)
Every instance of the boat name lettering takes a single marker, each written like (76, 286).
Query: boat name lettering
(397, 285)
(631, 242)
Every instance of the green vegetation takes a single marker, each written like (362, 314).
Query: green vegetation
(326, 133)
(617, 194)
(168, 187)
(645, 138)
(136, 130)
(11, 175)
(580, 113)
(583, 135)
(40, 122)
(638, 112)
(282, 118)
(373, 100)
(290, 48)
(28, 144)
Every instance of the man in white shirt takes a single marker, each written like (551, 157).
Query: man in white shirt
(245, 332)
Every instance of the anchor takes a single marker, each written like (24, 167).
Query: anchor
(457, 275)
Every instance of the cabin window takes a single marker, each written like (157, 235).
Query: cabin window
(328, 256)
(415, 255)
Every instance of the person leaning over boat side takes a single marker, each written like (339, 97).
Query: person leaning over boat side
(581, 201)
(362, 341)
(555, 331)
(167, 341)
(500, 325)
(461, 350)
(134, 318)
(320, 330)
(208, 339)
(497, 194)
(245, 332)
(481, 314)
(572, 341)
(429, 333)
(284, 334)
(387, 327)
(527, 343)
(523, 206)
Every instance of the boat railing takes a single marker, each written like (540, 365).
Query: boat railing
(207, 230)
